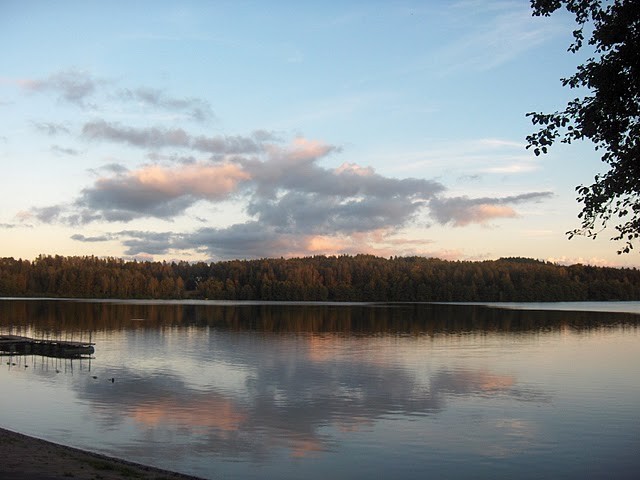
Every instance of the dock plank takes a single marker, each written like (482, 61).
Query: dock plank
(20, 345)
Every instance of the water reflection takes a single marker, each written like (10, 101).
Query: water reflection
(299, 393)
(50, 316)
(370, 389)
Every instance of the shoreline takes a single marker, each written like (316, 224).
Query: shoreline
(28, 458)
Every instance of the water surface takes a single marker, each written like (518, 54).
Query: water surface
(347, 391)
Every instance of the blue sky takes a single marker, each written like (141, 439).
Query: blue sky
(215, 130)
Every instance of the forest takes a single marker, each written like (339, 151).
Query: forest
(320, 278)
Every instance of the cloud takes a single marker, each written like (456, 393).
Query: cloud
(159, 137)
(296, 169)
(235, 144)
(521, 167)
(50, 128)
(294, 195)
(72, 86)
(381, 242)
(197, 109)
(469, 178)
(100, 238)
(467, 159)
(295, 205)
(500, 143)
(494, 42)
(292, 200)
(462, 211)
(244, 240)
(50, 214)
(155, 137)
(152, 243)
(255, 240)
(172, 158)
(76, 87)
(61, 214)
(63, 150)
(596, 261)
(288, 181)
(314, 213)
(160, 192)
(114, 168)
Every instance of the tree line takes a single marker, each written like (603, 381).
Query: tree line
(318, 278)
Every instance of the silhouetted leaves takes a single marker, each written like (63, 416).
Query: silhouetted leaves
(609, 116)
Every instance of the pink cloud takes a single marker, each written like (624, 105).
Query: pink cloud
(301, 150)
(379, 242)
(354, 169)
(483, 213)
(462, 211)
(208, 181)
(595, 261)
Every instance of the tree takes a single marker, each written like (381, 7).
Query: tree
(608, 116)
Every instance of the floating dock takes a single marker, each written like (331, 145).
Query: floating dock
(17, 345)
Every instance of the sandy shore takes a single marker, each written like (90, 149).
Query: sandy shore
(28, 458)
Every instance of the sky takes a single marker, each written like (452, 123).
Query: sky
(162, 130)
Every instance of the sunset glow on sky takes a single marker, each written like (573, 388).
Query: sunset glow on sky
(218, 130)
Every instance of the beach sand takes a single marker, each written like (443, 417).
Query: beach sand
(28, 458)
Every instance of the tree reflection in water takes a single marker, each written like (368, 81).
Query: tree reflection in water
(255, 384)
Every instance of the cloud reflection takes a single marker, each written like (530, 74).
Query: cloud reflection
(472, 382)
(295, 401)
(200, 412)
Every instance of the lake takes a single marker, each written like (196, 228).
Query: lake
(315, 391)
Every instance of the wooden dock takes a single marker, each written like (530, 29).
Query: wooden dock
(17, 345)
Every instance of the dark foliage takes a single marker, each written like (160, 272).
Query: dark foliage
(319, 278)
(608, 116)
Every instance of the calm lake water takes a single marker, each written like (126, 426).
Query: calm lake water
(318, 391)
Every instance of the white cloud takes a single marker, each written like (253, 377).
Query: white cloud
(161, 137)
(470, 157)
(494, 42)
(595, 261)
(462, 211)
(195, 108)
(73, 86)
(287, 201)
